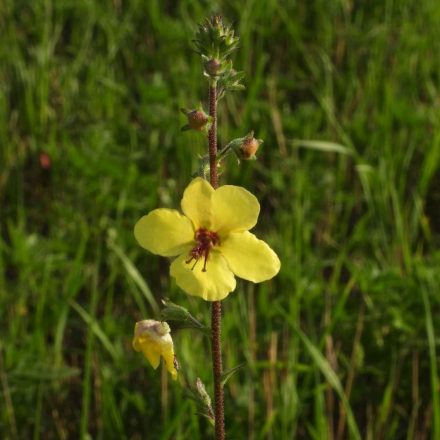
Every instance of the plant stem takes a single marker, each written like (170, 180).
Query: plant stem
(216, 311)
(212, 136)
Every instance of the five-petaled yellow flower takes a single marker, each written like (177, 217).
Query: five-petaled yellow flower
(211, 241)
(153, 339)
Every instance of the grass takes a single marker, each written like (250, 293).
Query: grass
(342, 344)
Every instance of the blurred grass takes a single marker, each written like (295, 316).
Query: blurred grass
(349, 325)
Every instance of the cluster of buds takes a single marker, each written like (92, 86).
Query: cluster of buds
(215, 42)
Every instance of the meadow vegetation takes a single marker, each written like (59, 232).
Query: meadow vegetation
(343, 343)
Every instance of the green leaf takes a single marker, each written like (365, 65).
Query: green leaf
(228, 374)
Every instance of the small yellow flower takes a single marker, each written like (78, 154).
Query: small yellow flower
(211, 241)
(153, 339)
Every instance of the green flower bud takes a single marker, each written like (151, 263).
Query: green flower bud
(202, 393)
(204, 400)
(181, 317)
(214, 39)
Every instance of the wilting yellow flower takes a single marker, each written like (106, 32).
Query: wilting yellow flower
(153, 339)
(211, 241)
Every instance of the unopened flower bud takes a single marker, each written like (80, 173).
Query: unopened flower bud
(205, 400)
(248, 147)
(215, 39)
(212, 67)
(180, 316)
(197, 120)
(202, 392)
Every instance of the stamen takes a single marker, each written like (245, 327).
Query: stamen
(204, 263)
(205, 241)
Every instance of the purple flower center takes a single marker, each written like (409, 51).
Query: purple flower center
(205, 241)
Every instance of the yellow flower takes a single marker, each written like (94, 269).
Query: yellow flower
(211, 241)
(153, 339)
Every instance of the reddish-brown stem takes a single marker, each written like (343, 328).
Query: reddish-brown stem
(216, 311)
(217, 370)
(212, 136)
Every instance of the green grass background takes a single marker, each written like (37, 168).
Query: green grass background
(343, 342)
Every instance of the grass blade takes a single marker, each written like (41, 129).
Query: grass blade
(324, 146)
(328, 373)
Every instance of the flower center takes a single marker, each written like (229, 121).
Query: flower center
(205, 241)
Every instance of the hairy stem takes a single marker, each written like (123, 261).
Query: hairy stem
(216, 311)
(212, 136)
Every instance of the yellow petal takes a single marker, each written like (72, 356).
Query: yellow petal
(152, 355)
(136, 344)
(164, 232)
(149, 349)
(168, 355)
(212, 285)
(196, 202)
(249, 258)
(233, 209)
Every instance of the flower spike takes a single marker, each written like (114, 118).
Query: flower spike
(215, 42)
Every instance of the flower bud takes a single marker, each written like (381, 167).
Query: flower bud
(200, 386)
(248, 146)
(212, 67)
(181, 317)
(153, 339)
(215, 39)
(205, 400)
(197, 120)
